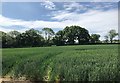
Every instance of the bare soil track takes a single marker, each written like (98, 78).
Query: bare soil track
(9, 80)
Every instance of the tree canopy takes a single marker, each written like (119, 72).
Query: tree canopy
(95, 38)
(70, 35)
(73, 33)
(112, 33)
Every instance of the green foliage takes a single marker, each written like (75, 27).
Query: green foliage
(48, 36)
(95, 38)
(13, 33)
(63, 63)
(48, 33)
(7, 40)
(112, 34)
(30, 38)
(59, 38)
(106, 39)
(73, 33)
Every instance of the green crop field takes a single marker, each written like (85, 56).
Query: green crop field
(62, 63)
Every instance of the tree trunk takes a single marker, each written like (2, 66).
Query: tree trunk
(111, 40)
(79, 41)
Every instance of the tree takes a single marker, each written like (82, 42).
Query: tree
(73, 33)
(95, 38)
(106, 38)
(7, 40)
(2, 39)
(48, 34)
(30, 38)
(13, 33)
(69, 34)
(82, 35)
(59, 38)
(112, 33)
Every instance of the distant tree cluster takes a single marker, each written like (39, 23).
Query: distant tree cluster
(111, 34)
(70, 35)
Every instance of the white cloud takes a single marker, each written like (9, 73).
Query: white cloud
(74, 6)
(104, 5)
(81, 7)
(65, 16)
(48, 5)
(94, 21)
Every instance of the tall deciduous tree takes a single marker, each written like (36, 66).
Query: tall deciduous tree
(69, 34)
(48, 35)
(7, 40)
(30, 38)
(59, 38)
(82, 35)
(112, 33)
(106, 38)
(73, 33)
(95, 38)
(13, 33)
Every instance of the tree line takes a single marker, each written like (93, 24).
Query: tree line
(70, 35)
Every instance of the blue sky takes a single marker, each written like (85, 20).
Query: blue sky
(39, 11)
(97, 17)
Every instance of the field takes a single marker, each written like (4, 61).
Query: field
(62, 63)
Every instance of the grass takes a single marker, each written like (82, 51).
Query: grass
(63, 63)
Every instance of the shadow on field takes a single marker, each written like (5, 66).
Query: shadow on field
(95, 48)
(79, 49)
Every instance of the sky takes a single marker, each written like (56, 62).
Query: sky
(96, 17)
